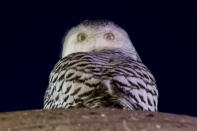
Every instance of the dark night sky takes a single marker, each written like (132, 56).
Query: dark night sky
(164, 35)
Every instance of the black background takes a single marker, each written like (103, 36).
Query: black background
(164, 34)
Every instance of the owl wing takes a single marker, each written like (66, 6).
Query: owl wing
(137, 86)
(72, 81)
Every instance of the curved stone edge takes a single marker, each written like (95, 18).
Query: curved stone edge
(105, 119)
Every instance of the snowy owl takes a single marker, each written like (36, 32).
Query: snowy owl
(100, 68)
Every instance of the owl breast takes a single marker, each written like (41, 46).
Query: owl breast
(106, 78)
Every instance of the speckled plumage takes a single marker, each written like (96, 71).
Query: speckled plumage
(101, 78)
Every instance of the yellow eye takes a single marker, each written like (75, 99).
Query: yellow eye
(81, 37)
(109, 36)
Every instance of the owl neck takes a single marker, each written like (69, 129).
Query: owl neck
(129, 53)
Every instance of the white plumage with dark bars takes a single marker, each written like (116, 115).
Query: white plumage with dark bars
(100, 68)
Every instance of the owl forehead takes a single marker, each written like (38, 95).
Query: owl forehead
(94, 29)
(98, 29)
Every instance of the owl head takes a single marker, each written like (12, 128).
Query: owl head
(96, 35)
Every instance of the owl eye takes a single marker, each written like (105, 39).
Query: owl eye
(109, 36)
(81, 37)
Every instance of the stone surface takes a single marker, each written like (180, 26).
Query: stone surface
(94, 120)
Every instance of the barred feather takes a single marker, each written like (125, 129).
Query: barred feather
(106, 78)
